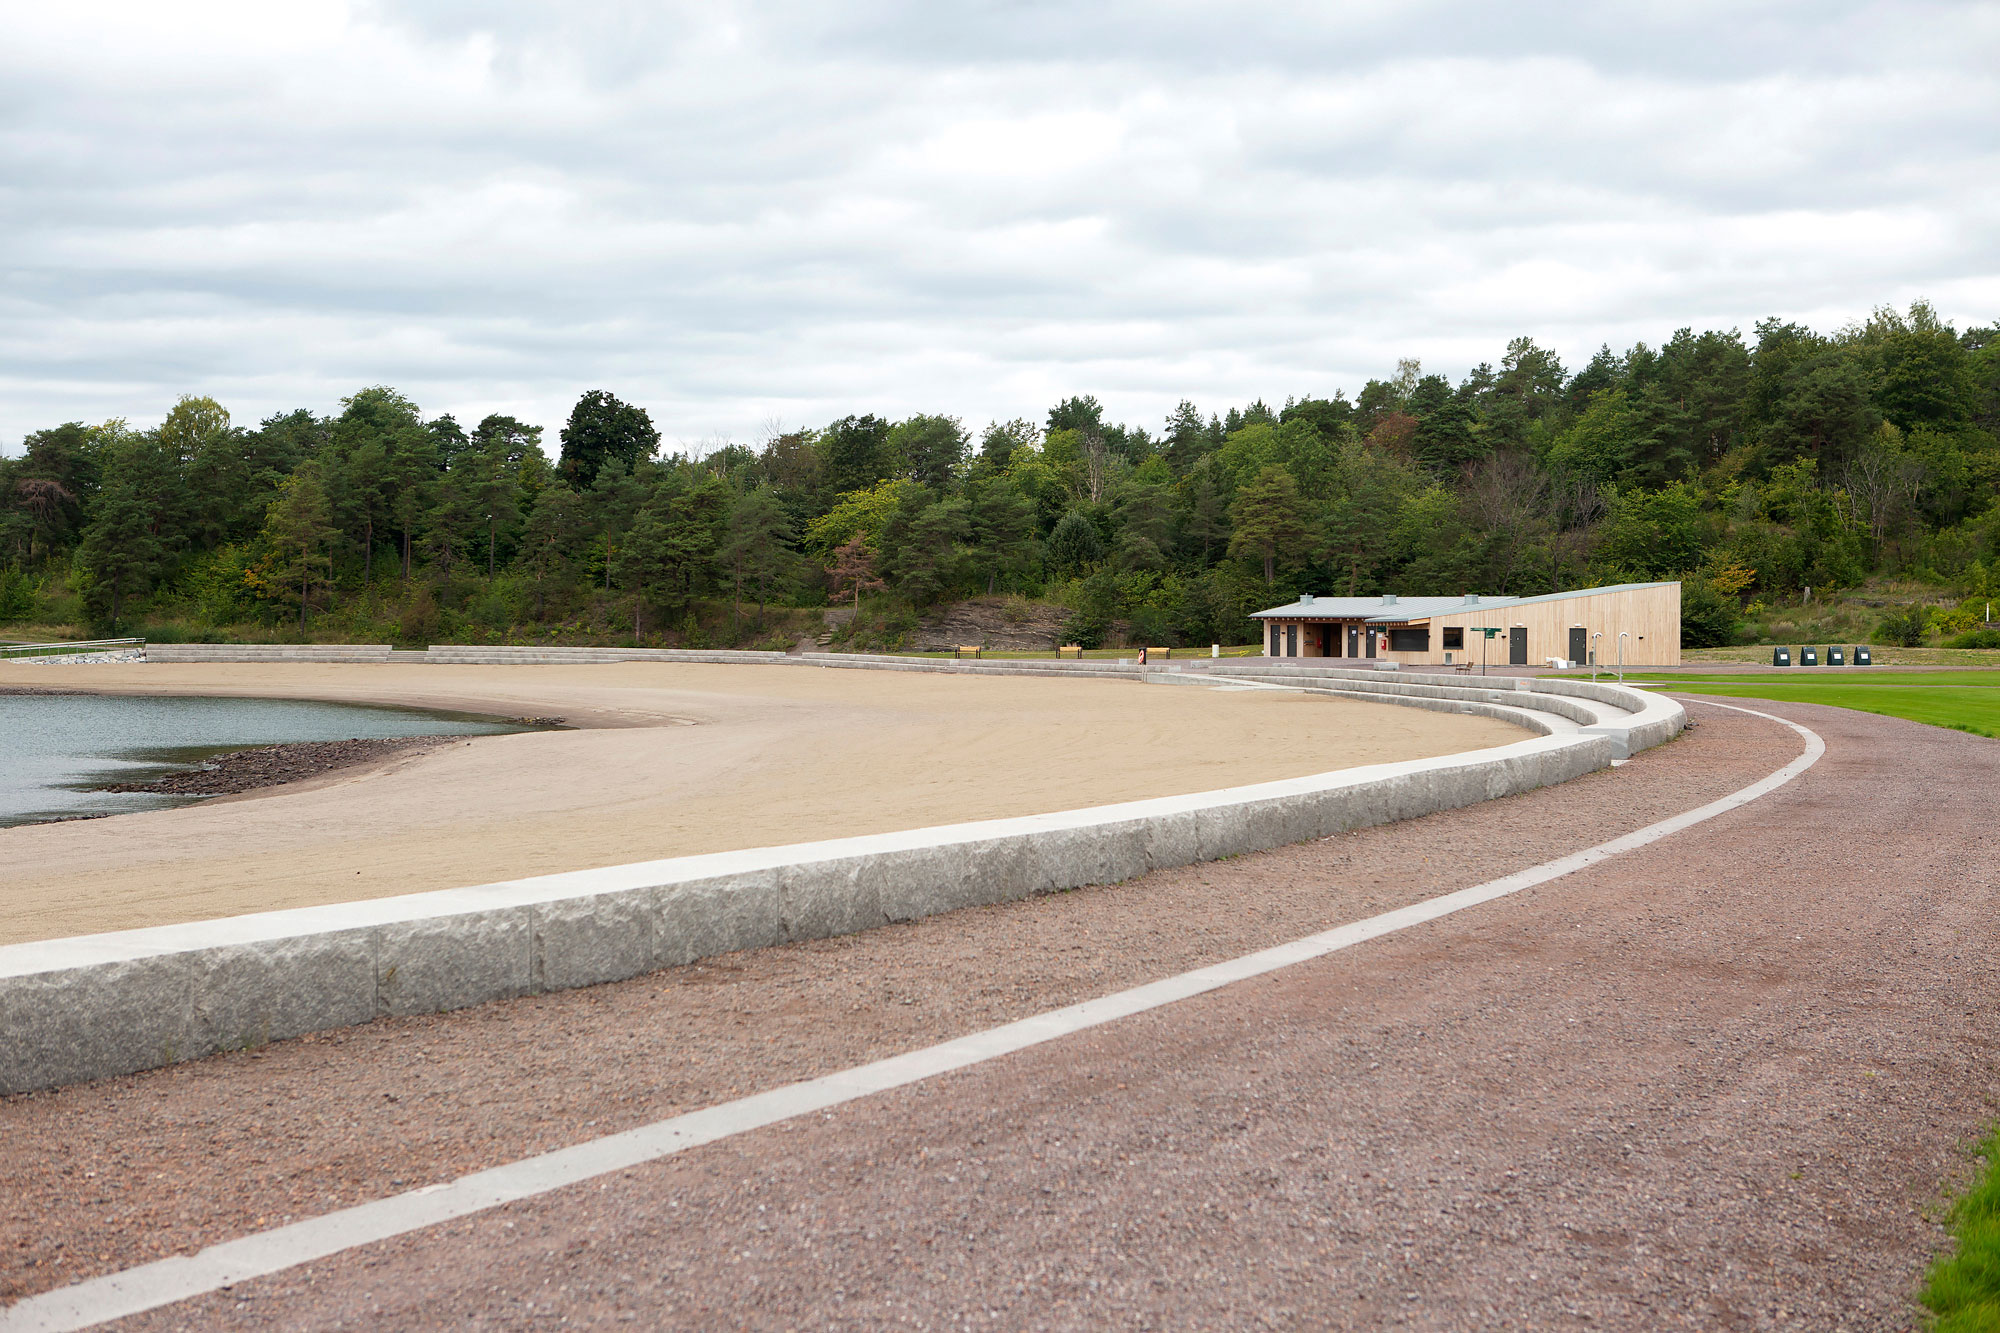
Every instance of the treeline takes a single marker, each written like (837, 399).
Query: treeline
(1752, 469)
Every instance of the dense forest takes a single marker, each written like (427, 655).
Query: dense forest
(1754, 469)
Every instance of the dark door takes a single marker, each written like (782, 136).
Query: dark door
(1353, 642)
(1517, 646)
(1579, 643)
(1326, 643)
(1368, 638)
(1291, 640)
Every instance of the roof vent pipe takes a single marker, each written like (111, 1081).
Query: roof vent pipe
(1305, 599)
(1472, 599)
(1388, 599)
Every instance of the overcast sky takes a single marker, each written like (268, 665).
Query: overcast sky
(736, 215)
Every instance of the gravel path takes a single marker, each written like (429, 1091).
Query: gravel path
(1716, 1083)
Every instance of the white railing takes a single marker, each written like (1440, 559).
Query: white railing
(67, 649)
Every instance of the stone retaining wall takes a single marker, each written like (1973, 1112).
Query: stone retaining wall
(100, 1005)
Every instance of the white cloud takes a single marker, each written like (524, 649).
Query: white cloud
(733, 213)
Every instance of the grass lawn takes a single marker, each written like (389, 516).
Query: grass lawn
(1973, 708)
(1964, 1290)
(1885, 654)
(1817, 679)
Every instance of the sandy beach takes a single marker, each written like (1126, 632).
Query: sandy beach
(664, 760)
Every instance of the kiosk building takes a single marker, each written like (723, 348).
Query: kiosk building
(1638, 624)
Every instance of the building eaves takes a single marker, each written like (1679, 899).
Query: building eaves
(1377, 610)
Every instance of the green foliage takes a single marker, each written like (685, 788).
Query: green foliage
(602, 429)
(120, 554)
(1271, 520)
(1074, 547)
(1793, 462)
(1601, 444)
(755, 544)
(297, 530)
(1974, 638)
(854, 455)
(17, 596)
(1709, 616)
(1653, 534)
(1094, 601)
(1905, 627)
(855, 514)
(1963, 1289)
(930, 449)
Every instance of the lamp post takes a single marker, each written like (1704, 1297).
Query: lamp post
(1485, 633)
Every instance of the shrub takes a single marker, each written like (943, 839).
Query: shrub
(1150, 626)
(1975, 638)
(17, 596)
(1086, 628)
(1708, 617)
(1904, 628)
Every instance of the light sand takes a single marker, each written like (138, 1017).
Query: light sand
(668, 760)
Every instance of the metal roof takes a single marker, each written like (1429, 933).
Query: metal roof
(1391, 609)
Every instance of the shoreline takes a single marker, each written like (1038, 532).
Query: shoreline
(659, 760)
(256, 767)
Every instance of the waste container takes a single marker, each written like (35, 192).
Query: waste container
(1834, 658)
(1861, 657)
(1781, 657)
(1808, 657)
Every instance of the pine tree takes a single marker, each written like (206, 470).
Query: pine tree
(756, 541)
(297, 526)
(1074, 546)
(119, 551)
(1270, 519)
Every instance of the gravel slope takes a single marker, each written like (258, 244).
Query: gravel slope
(1716, 1083)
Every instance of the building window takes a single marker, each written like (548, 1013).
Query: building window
(1410, 640)
(1454, 636)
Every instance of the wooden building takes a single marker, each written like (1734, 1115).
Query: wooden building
(1636, 623)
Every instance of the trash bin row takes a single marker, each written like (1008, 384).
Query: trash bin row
(1810, 656)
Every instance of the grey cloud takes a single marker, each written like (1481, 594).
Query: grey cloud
(736, 212)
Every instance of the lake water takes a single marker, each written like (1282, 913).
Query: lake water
(54, 748)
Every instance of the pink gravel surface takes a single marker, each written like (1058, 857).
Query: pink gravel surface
(1718, 1082)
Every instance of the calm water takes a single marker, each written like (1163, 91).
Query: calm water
(55, 747)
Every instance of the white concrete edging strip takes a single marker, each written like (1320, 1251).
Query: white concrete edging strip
(94, 1006)
(165, 1281)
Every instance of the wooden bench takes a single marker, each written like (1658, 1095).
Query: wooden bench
(1463, 668)
(964, 649)
(1152, 653)
(1070, 650)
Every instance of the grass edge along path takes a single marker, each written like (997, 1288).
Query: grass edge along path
(1972, 708)
(1970, 678)
(1962, 1291)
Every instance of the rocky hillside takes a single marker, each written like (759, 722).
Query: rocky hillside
(991, 622)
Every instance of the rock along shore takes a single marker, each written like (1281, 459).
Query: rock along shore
(272, 765)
